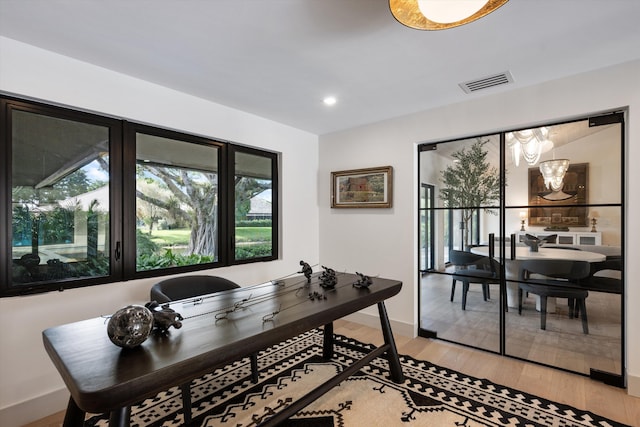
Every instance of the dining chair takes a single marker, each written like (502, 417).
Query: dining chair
(606, 276)
(561, 279)
(184, 287)
(473, 268)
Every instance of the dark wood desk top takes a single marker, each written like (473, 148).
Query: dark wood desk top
(101, 376)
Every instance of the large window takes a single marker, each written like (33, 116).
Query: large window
(79, 209)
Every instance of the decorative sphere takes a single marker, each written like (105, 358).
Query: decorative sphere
(130, 326)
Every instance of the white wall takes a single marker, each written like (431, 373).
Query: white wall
(384, 241)
(30, 386)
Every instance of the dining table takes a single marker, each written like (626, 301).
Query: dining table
(512, 266)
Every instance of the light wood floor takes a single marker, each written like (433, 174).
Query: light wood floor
(570, 389)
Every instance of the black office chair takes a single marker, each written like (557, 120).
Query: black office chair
(473, 268)
(563, 279)
(184, 287)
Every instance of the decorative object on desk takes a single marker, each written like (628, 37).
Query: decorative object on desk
(565, 208)
(430, 396)
(535, 242)
(315, 295)
(594, 221)
(130, 326)
(164, 316)
(362, 188)
(328, 278)
(523, 217)
(306, 270)
(363, 281)
(470, 182)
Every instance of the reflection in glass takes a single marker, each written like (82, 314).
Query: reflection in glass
(59, 199)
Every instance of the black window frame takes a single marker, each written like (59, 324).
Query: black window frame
(233, 149)
(122, 197)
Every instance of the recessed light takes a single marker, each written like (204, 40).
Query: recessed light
(330, 100)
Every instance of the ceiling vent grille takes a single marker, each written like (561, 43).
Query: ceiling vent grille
(487, 82)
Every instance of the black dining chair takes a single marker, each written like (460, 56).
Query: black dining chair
(606, 276)
(562, 279)
(183, 287)
(473, 268)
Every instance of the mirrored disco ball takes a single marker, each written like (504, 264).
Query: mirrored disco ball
(130, 326)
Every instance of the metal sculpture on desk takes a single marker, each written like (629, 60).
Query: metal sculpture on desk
(328, 278)
(164, 317)
(363, 281)
(130, 326)
(535, 242)
(306, 270)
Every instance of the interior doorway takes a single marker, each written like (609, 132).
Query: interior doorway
(489, 198)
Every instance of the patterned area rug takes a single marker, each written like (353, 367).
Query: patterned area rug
(430, 395)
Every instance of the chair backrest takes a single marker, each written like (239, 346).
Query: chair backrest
(184, 287)
(463, 258)
(556, 268)
(466, 259)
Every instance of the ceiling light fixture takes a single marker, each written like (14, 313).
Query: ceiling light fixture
(441, 14)
(529, 143)
(553, 172)
(330, 100)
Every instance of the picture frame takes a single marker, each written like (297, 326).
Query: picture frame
(362, 188)
(560, 213)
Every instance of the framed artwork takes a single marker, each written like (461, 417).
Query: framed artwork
(362, 188)
(559, 210)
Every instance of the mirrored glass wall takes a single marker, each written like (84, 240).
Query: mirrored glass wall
(521, 244)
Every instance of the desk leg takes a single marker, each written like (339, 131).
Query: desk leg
(185, 391)
(120, 417)
(392, 354)
(74, 417)
(255, 375)
(327, 346)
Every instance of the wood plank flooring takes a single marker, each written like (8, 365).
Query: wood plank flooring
(571, 389)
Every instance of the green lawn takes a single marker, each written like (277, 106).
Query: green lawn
(181, 236)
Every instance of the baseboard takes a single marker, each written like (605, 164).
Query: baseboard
(34, 409)
(398, 328)
(633, 386)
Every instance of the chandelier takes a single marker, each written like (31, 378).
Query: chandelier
(441, 14)
(553, 172)
(529, 144)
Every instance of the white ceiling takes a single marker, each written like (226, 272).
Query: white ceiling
(279, 58)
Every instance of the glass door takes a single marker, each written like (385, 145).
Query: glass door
(460, 292)
(528, 244)
(565, 191)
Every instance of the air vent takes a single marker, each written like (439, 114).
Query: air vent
(487, 82)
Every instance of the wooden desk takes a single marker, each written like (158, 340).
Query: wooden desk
(102, 377)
